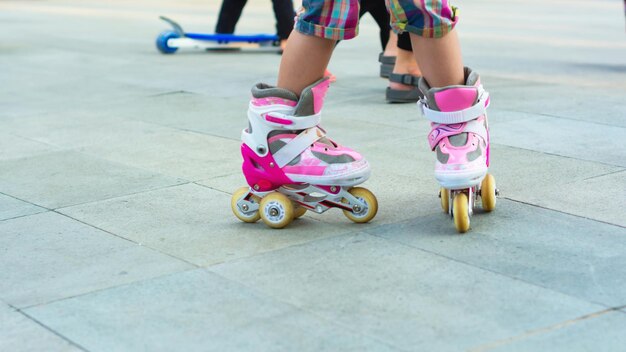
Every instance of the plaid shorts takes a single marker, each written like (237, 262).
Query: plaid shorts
(339, 19)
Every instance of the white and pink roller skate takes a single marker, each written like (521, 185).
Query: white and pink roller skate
(460, 137)
(290, 164)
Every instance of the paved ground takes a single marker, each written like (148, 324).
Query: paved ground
(117, 163)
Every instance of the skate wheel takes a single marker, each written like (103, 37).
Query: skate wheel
(242, 215)
(444, 194)
(276, 210)
(488, 193)
(161, 42)
(298, 211)
(460, 212)
(371, 205)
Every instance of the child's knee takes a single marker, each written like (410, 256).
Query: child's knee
(425, 18)
(329, 19)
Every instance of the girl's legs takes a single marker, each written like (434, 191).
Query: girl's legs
(304, 61)
(229, 16)
(440, 59)
(455, 103)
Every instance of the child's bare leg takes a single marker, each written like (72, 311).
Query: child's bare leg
(304, 61)
(439, 59)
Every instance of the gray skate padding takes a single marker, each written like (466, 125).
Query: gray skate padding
(263, 90)
(305, 105)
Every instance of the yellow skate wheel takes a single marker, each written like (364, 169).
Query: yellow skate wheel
(371, 205)
(241, 214)
(276, 210)
(298, 210)
(488, 193)
(460, 212)
(444, 194)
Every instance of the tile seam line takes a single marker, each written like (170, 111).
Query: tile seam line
(54, 332)
(129, 240)
(606, 174)
(122, 196)
(560, 117)
(25, 215)
(563, 212)
(546, 329)
(303, 309)
(441, 255)
(557, 155)
(112, 287)
(25, 201)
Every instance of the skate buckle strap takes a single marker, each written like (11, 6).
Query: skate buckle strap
(441, 131)
(298, 145)
(291, 122)
(473, 112)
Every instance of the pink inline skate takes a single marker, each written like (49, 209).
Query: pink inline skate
(460, 137)
(290, 164)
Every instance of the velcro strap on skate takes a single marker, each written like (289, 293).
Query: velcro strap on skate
(439, 132)
(291, 122)
(298, 145)
(473, 112)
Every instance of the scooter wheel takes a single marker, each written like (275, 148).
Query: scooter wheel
(161, 42)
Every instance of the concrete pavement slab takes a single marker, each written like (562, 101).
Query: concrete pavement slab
(210, 313)
(19, 333)
(590, 104)
(570, 138)
(194, 223)
(66, 178)
(12, 208)
(46, 257)
(565, 184)
(182, 154)
(13, 147)
(599, 197)
(602, 332)
(564, 253)
(79, 128)
(410, 298)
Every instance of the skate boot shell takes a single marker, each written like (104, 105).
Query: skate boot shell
(460, 138)
(291, 166)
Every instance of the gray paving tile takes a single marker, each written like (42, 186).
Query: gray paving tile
(79, 128)
(195, 223)
(576, 256)
(217, 315)
(598, 198)
(571, 138)
(594, 105)
(19, 333)
(410, 298)
(13, 147)
(12, 208)
(49, 256)
(66, 178)
(182, 154)
(605, 332)
(565, 184)
(224, 117)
